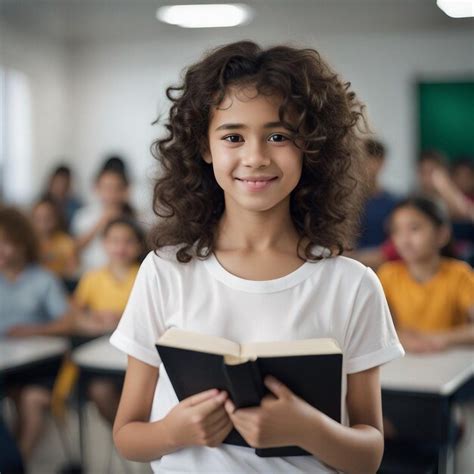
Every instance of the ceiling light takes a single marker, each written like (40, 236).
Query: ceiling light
(205, 16)
(457, 8)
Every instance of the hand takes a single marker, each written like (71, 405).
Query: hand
(199, 420)
(88, 326)
(109, 319)
(276, 422)
(23, 330)
(423, 343)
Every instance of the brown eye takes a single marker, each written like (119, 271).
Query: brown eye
(277, 137)
(233, 138)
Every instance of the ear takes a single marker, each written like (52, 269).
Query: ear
(206, 153)
(207, 157)
(444, 235)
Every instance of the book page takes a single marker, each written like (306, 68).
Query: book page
(253, 350)
(181, 339)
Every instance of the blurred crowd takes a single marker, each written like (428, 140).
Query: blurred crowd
(67, 268)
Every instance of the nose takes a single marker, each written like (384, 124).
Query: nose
(255, 155)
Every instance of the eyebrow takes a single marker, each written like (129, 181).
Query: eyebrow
(236, 126)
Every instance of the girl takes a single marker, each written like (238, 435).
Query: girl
(59, 188)
(33, 302)
(258, 197)
(102, 294)
(112, 187)
(57, 248)
(431, 296)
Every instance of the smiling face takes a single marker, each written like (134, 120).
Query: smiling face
(121, 245)
(255, 161)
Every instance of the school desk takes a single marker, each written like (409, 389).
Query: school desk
(18, 354)
(418, 395)
(97, 358)
(424, 386)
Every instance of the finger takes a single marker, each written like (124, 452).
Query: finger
(276, 387)
(218, 424)
(211, 404)
(200, 397)
(221, 434)
(215, 417)
(229, 406)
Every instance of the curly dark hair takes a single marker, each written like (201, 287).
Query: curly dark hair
(17, 229)
(326, 203)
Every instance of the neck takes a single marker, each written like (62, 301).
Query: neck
(423, 270)
(119, 269)
(257, 230)
(12, 272)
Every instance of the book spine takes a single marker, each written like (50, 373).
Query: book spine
(244, 384)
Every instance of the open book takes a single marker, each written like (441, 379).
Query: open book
(311, 368)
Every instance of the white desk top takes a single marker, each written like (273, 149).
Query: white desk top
(101, 355)
(15, 353)
(441, 373)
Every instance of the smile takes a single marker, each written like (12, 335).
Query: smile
(258, 184)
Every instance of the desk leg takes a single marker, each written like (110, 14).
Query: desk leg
(446, 460)
(81, 401)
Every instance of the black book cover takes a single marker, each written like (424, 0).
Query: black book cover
(315, 378)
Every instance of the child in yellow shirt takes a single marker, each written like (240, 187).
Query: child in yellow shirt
(57, 248)
(101, 296)
(431, 296)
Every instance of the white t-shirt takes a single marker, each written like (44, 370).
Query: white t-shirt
(336, 297)
(93, 254)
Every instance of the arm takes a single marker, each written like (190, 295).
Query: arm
(284, 419)
(354, 449)
(63, 326)
(372, 257)
(459, 206)
(84, 240)
(199, 420)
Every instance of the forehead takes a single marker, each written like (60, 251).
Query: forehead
(247, 105)
(120, 230)
(408, 213)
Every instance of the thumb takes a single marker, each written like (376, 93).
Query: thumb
(276, 387)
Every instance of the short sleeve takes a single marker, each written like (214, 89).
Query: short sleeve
(82, 292)
(142, 322)
(370, 338)
(465, 291)
(55, 298)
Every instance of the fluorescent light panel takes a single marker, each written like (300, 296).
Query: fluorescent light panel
(205, 16)
(457, 8)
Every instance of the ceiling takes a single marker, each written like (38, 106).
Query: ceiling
(77, 21)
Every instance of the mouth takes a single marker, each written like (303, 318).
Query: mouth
(257, 183)
(257, 179)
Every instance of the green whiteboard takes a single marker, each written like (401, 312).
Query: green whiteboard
(446, 117)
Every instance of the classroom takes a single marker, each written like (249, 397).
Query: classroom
(237, 237)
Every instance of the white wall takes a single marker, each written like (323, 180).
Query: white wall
(44, 65)
(98, 95)
(118, 88)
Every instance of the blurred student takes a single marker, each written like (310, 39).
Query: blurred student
(434, 181)
(371, 247)
(57, 248)
(60, 189)
(112, 189)
(462, 174)
(102, 295)
(33, 302)
(431, 296)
